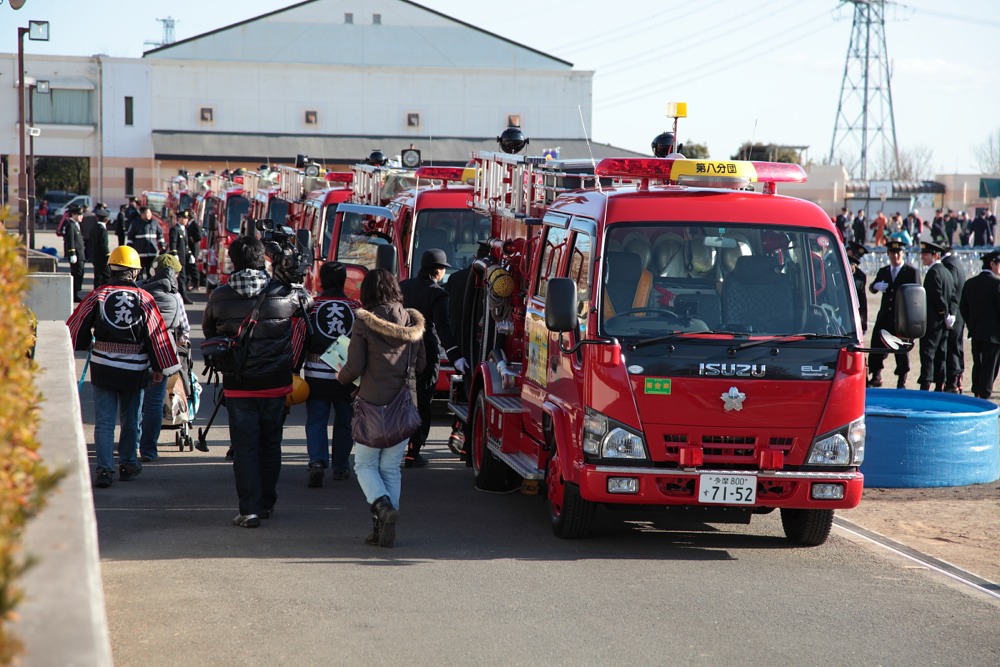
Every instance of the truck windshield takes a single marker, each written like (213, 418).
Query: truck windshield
(355, 245)
(663, 278)
(277, 210)
(456, 231)
(237, 207)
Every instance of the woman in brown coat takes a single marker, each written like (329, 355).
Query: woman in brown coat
(386, 341)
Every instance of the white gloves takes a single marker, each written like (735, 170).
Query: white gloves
(880, 286)
(72, 259)
(462, 366)
(949, 321)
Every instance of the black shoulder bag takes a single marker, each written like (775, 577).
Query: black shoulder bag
(383, 426)
(227, 354)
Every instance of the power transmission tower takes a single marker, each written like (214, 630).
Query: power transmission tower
(865, 119)
(168, 32)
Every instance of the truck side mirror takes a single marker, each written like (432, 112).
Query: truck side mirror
(560, 305)
(303, 239)
(385, 258)
(911, 311)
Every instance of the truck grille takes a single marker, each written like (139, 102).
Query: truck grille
(729, 450)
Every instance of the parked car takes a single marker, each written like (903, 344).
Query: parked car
(55, 198)
(77, 200)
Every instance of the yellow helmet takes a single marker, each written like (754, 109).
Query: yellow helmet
(125, 256)
(300, 392)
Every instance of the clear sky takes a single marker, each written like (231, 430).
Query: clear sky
(766, 70)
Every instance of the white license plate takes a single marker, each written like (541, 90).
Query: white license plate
(727, 489)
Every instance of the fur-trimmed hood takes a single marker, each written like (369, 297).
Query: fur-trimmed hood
(386, 321)
(385, 343)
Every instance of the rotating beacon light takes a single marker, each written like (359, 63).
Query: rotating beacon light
(512, 140)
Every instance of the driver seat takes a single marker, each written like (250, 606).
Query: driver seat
(626, 283)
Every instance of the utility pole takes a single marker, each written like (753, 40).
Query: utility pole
(865, 123)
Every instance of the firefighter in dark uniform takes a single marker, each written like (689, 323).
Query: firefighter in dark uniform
(855, 251)
(74, 248)
(955, 358)
(940, 288)
(888, 280)
(425, 294)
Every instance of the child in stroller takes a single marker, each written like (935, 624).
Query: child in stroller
(181, 402)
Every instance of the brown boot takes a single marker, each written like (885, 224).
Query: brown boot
(876, 379)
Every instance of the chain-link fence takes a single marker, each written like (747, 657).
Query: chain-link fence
(970, 258)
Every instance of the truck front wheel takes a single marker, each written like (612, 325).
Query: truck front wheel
(571, 516)
(808, 528)
(490, 473)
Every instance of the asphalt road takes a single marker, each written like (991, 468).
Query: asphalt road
(478, 578)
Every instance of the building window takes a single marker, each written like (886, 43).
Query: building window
(207, 115)
(412, 120)
(376, 19)
(129, 181)
(63, 106)
(311, 118)
(514, 120)
(128, 111)
(348, 17)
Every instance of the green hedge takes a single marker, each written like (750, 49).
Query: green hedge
(24, 479)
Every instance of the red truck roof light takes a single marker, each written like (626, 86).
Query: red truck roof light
(339, 177)
(441, 173)
(635, 167)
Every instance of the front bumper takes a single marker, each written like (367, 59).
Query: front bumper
(775, 489)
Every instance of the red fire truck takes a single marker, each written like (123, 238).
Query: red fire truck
(261, 187)
(222, 207)
(655, 334)
(179, 197)
(435, 213)
(319, 216)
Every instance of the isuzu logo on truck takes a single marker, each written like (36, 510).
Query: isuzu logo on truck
(733, 370)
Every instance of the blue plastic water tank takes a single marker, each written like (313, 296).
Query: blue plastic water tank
(925, 439)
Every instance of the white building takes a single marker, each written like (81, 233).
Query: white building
(331, 79)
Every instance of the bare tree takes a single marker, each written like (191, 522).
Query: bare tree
(915, 163)
(988, 154)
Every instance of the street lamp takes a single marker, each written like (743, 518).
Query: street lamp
(36, 31)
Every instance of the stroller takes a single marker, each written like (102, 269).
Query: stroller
(182, 400)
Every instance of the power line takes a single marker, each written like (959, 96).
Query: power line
(587, 43)
(701, 72)
(676, 47)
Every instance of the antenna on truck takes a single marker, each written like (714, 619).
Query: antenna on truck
(593, 162)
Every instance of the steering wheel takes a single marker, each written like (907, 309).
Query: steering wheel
(655, 314)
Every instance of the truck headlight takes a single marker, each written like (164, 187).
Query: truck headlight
(845, 446)
(609, 439)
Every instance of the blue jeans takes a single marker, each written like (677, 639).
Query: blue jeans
(111, 406)
(255, 426)
(317, 441)
(378, 471)
(152, 417)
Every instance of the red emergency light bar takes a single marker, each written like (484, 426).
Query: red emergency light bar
(339, 177)
(441, 173)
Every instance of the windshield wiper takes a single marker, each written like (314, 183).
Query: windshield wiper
(661, 339)
(786, 338)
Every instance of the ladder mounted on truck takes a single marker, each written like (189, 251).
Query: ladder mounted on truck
(521, 186)
(367, 184)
